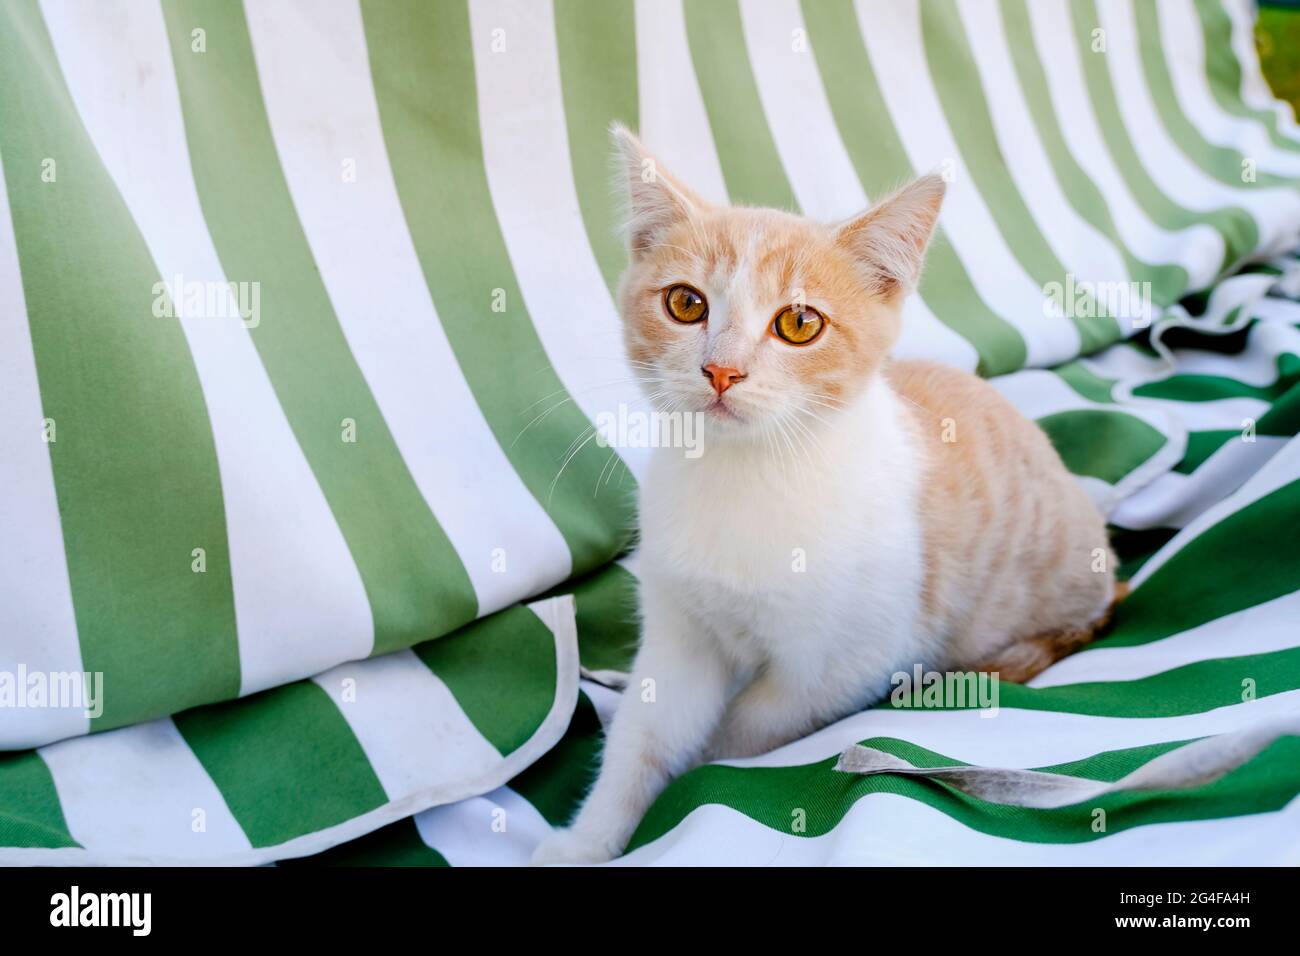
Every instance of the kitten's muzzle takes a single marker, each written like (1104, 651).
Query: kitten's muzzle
(722, 376)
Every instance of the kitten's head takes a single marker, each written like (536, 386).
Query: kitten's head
(754, 316)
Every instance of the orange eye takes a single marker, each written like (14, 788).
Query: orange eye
(798, 326)
(685, 304)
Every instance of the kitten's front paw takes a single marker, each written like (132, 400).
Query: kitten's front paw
(573, 846)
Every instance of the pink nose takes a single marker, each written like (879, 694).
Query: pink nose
(723, 377)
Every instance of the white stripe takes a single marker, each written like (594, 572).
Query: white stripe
(1085, 251)
(1184, 49)
(674, 122)
(1276, 211)
(1020, 738)
(1272, 309)
(797, 111)
(824, 179)
(1038, 393)
(36, 614)
(526, 153)
(500, 828)
(408, 722)
(1174, 500)
(315, 75)
(1199, 248)
(891, 31)
(1261, 629)
(1281, 469)
(1219, 413)
(141, 792)
(888, 829)
(299, 602)
(1122, 361)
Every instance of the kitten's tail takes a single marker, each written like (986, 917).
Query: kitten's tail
(1030, 657)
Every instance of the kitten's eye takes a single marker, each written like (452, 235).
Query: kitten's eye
(798, 326)
(685, 304)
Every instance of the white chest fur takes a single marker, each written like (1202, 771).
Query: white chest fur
(814, 560)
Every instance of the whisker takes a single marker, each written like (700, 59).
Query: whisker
(551, 494)
(588, 388)
(558, 404)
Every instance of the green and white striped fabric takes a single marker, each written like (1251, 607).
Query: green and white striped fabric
(308, 765)
(1205, 645)
(217, 510)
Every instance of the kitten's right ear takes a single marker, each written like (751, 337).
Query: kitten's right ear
(657, 200)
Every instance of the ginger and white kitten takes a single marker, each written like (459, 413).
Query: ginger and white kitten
(850, 516)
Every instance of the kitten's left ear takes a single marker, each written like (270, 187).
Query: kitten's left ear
(889, 239)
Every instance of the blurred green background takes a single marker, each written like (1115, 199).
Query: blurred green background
(1278, 37)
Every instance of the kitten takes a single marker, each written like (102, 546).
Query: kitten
(850, 516)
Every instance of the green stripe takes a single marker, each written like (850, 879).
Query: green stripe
(30, 812)
(1284, 417)
(820, 797)
(597, 47)
(1228, 567)
(1208, 388)
(1201, 445)
(135, 466)
(877, 153)
(1224, 73)
(1168, 281)
(1221, 162)
(1101, 444)
(609, 626)
(502, 672)
(1190, 689)
(422, 63)
(607, 617)
(285, 761)
(1236, 225)
(557, 783)
(398, 844)
(961, 93)
(751, 165)
(415, 582)
(1086, 382)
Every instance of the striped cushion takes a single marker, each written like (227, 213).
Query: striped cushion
(305, 766)
(393, 438)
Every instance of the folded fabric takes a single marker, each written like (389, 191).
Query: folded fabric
(302, 767)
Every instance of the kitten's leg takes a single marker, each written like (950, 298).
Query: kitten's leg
(771, 711)
(673, 700)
